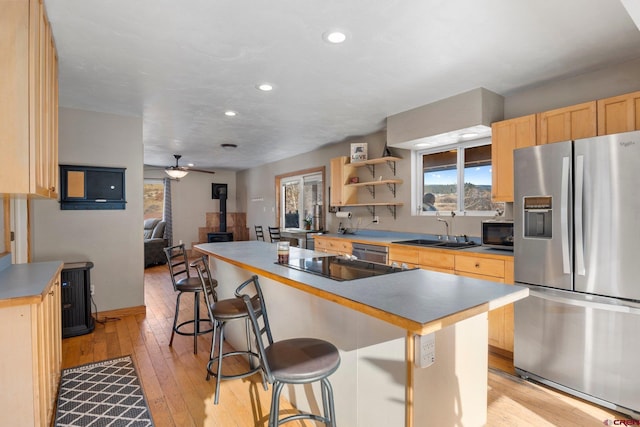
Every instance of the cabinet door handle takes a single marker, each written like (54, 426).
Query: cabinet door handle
(51, 293)
(477, 265)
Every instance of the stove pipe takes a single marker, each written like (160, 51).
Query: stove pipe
(219, 191)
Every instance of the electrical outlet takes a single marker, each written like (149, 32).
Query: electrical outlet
(376, 219)
(425, 350)
(93, 289)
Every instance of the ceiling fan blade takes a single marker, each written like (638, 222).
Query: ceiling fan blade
(198, 170)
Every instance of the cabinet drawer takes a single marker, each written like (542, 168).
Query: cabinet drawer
(437, 259)
(403, 264)
(481, 266)
(406, 254)
(340, 246)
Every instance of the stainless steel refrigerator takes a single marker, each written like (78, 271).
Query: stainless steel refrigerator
(577, 248)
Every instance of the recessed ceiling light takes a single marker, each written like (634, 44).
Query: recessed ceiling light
(265, 87)
(334, 37)
(229, 146)
(230, 113)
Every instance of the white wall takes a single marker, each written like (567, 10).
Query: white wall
(259, 182)
(111, 239)
(191, 200)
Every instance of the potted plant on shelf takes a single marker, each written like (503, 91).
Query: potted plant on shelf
(307, 223)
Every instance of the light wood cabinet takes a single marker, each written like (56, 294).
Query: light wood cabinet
(495, 270)
(404, 255)
(478, 266)
(31, 352)
(437, 260)
(619, 114)
(341, 173)
(29, 105)
(507, 136)
(567, 123)
(331, 245)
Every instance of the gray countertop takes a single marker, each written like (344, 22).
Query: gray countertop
(386, 237)
(26, 283)
(417, 300)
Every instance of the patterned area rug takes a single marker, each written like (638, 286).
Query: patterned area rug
(101, 394)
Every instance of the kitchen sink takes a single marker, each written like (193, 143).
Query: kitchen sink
(437, 243)
(420, 242)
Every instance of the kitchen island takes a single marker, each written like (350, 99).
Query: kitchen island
(373, 322)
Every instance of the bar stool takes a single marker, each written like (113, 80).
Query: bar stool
(221, 312)
(183, 282)
(291, 361)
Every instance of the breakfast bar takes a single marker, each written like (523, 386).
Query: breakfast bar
(374, 321)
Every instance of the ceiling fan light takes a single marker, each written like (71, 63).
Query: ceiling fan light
(176, 173)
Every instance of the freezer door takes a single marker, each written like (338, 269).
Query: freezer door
(607, 223)
(542, 215)
(585, 346)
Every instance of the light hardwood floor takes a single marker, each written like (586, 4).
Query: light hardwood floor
(174, 382)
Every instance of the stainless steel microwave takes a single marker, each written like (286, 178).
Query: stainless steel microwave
(497, 234)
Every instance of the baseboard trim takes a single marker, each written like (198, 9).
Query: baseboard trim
(501, 352)
(122, 312)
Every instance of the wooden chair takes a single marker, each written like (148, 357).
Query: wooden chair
(274, 234)
(183, 282)
(259, 232)
(290, 361)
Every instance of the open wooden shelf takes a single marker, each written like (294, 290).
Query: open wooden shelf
(375, 161)
(382, 182)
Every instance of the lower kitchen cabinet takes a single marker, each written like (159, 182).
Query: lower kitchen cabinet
(329, 245)
(495, 270)
(31, 351)
(479, 266)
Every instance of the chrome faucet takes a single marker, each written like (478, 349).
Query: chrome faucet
(446, 223)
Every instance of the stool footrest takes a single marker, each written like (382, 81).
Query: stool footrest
(192, 333)
(251, 371)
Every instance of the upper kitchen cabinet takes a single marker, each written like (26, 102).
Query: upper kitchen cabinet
(563, 124)
(506, 136)
(29, 104)
(619, 114)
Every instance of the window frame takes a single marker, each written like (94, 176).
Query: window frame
(155, 181)
(291, 176)
(417, 177)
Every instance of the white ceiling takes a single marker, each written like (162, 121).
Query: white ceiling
(181, 64)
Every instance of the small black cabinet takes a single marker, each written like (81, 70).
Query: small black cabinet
(92, 187)
(76, 299)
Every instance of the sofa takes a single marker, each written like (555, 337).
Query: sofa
(154, 242)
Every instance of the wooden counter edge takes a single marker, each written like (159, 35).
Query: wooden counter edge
(34, 298)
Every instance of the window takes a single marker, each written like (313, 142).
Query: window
(457, 179)
(301, 197)
(153, 198)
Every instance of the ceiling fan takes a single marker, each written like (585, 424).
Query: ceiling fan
(178, 171)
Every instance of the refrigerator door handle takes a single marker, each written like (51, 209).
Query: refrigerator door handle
(580, 268)
(564, 217)
(581, 302)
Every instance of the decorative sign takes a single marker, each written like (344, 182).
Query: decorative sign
(358, 152)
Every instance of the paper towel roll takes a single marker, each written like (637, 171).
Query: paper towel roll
(343, 214)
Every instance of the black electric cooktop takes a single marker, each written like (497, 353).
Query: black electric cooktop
(341, 268)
